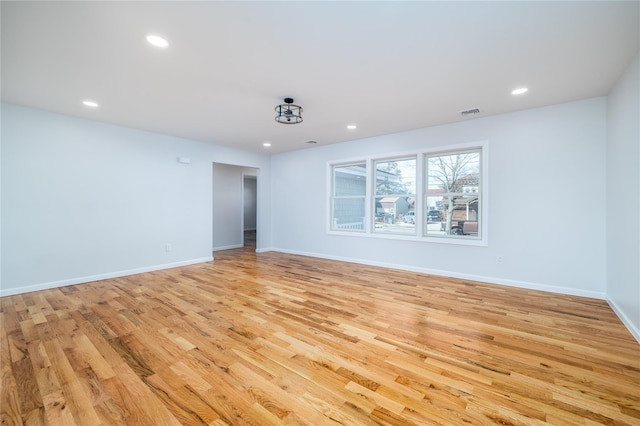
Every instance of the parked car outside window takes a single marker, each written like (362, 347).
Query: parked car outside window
(410, 217)
(434, 215)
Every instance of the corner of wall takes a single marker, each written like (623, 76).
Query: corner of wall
(635, 331)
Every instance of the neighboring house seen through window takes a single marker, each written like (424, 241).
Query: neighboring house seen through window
(348, 197)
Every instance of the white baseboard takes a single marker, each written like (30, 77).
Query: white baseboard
(86, 279)
(633, 329)
(453, 274)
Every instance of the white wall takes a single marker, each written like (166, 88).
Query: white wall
(82, 200)
(227, 206)
(546, 217)
(623, 198)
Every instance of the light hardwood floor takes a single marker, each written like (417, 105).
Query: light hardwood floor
(274, 339)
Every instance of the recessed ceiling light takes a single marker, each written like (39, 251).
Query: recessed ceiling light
(90, 104)
(157, 41)
(266, 144)
(352, 127)
(520, 91)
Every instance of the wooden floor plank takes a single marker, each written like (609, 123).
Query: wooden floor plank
(9, 399)
(277, 339)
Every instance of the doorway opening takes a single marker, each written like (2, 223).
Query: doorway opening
(250, 207)
(235, 206)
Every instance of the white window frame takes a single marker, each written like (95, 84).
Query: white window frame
(479, 192)
(420, 210)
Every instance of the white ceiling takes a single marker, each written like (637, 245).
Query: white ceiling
(385, 66)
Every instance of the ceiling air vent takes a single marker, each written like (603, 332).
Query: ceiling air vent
(472, 111)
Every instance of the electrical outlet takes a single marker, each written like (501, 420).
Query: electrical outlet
(500, 258)
(167, 247)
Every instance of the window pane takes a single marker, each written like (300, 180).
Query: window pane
(350, 180)
(460, 219)
(436, 214)
(395, 196)
(396, 177)
(348, 213)
(459, 172)
(395, 215)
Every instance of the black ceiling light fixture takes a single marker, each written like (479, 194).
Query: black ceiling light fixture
(288, 113)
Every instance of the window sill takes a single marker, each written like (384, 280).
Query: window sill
(388, 236)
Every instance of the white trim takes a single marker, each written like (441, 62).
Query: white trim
(635, 332)
(242, 228)
(90, 278)
(329, 197)
(242, 206)
(461, 241)
(258, 204)
(419, 207)
(484, 206)
(452, 274)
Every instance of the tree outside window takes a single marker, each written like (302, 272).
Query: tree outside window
(453, 187)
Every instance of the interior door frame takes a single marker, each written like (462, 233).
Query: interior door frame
(237, 174)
